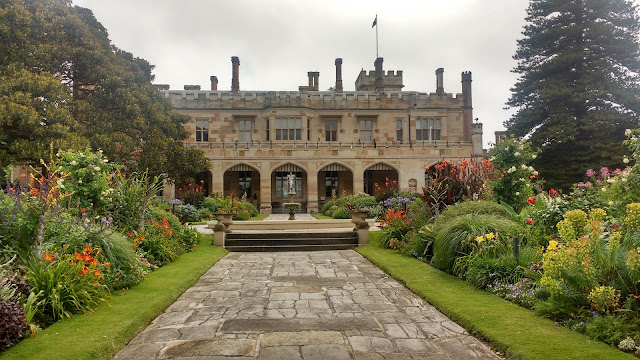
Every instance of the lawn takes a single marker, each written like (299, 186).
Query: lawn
(101, 334)
(321, 217)
(510, 329)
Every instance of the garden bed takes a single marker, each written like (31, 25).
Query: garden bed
(510, 329)
(101, 334)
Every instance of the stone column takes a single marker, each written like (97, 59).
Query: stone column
(467, 107)
(312, 191)
(217, 177)
(358, 179)
(265, 192)
(235, 74)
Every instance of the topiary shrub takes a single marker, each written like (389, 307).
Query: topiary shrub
(13, 323)
(453, 235)
(365, 202)
(212, 203)
(328, 205)
(472, 208)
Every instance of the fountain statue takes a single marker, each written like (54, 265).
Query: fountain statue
(291, 206)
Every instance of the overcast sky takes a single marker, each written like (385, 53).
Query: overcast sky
(278, 41)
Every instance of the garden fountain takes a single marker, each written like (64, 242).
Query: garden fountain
(291, 206)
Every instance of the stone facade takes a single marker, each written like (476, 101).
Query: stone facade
(335, 141)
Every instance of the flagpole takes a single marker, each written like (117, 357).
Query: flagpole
(377, 36)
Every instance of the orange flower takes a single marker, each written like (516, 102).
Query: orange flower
(87, 249)
(48, 257)
(97, 273)
(34, 192)
(79, 256)
(130, 234)
(85, 270)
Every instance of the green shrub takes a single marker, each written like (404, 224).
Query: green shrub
(328, 205)
(61, 289)
(341, 214)
(482, 271)
(188, 213)
(472, 208)
(418, 213)
(610, 329)
(365, 202)
(212, 203)
(453, 235)
(185, 236)
(376, 212)
(131, 197)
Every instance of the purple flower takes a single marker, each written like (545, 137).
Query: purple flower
(596, 314)
(590, 173)
(556, 324)
(175, 202)
(604, 172)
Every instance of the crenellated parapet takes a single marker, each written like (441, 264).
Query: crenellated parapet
(329, 100)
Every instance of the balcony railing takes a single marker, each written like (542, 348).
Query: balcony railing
(330, 145)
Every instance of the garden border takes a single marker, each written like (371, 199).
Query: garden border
(102, 334)
(509, 328)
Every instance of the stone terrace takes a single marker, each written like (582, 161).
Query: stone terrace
(301, 305)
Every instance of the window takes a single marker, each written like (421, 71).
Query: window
(308, 129)
(282, 184)
(267, 127)
(288, 129)
(244, 130)
(202, 130)
(399, 130)
(428, 129)
(366, 130)
(331, 183)
(331, 130)
(244, 179)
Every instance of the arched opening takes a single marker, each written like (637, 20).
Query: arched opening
(204, 179)
(333, 180)
(279, 188)
(378, 174)
(243, 181)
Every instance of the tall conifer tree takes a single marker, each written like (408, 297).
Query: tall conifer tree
(579, 65)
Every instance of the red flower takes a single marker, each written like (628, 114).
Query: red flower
(553, 192)
(87, 249)
(48, 257)
(84, 271)
(529, 221)
(34, 192)
(531, 200)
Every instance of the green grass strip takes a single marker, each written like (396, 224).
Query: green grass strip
(510, 329)
(103, 333)
(322, 217)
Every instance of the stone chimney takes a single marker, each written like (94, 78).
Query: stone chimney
(316, 81)
(235, 74)
(310, 75)
(439, 81)
(467, 105)
(338, 87)
(214, 83)
(379, 75)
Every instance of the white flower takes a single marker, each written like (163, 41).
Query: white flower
(535, 173)
(523, 166)
(627, 132)
(105, 160)
(534, 156)
(61, 186)
(511, 169)
(604, 189)
(81, 154)
(516, 154)
(492, 159)
(624, 179)
(74, 162)
(60, 181)
(610, 202)
(625, 160)
(517, 193)
(530, 168)
(611, 180)
(523, 179)
(79, 181)
(96, 168)
(527, 185)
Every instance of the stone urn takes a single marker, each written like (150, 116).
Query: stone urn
(226, 219)
(358, 217)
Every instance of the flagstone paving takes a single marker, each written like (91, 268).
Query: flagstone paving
(301, 305)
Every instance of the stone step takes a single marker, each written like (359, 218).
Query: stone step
(291, 241)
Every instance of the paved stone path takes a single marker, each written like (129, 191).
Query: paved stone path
(301, 305)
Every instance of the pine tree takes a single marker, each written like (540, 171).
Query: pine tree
(579, 65)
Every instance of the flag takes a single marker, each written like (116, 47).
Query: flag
(375, 22)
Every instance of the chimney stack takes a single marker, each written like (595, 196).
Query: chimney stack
(310, 75)
(439, 81)
(235, 74)
(214, 83)
(338, 87)
(467, 105)
(316, 81)
(379, 75)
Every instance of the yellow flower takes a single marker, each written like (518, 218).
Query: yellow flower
(479, 239)
(553, 245)
(490, 236)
